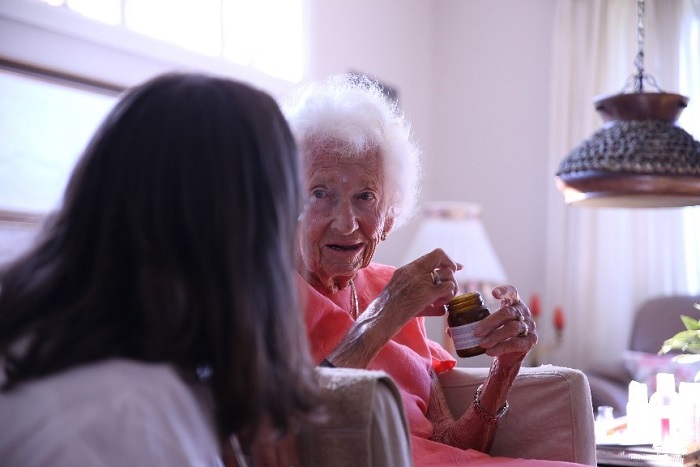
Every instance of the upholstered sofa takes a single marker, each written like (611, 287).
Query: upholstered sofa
(550, 417)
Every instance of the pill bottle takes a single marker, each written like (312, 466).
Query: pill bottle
(464, 312)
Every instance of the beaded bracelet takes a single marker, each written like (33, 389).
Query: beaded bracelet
(491, 419)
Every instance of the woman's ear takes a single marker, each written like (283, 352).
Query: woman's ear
(388, 224)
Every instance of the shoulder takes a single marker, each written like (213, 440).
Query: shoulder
(135, 412)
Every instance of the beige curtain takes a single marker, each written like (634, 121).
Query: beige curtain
(603, 262)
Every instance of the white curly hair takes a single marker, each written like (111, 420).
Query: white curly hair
(349, 115)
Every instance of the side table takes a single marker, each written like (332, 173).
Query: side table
(643, 455)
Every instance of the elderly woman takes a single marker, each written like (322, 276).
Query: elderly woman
(361, 178)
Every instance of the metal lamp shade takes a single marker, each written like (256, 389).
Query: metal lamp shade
(639, 159)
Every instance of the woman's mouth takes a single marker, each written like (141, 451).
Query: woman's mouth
(353, 247)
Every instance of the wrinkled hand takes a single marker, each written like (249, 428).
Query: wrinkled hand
(504, 333)
(420, 288)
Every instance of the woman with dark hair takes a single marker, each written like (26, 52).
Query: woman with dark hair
(156, 316)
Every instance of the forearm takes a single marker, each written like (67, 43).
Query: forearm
(499, 381)
(469, 432)
(476, 428)
(365, 339)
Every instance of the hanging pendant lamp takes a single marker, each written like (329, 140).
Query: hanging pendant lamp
(640, 158)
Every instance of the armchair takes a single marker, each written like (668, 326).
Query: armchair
(550, 417)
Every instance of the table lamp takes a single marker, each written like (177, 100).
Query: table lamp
(456, 227)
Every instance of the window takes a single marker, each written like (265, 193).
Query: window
(64, 62)
(45, 123)
(38, 149)
(262, 34)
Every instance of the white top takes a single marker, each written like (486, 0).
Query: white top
(113, 413)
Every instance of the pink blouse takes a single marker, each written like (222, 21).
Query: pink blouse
(407, 358)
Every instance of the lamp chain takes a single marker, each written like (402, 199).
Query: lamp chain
(639, 60)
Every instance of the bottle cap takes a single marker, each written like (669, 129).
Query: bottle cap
(605, 412)
(466, 300)
(638, 393)
(665, 382)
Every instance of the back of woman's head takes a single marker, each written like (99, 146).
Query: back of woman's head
(174, 243)
(350, 116)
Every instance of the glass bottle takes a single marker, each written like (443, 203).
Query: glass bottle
(663, 405)
(464, 312)
(690, 421)
(603, 421)
(638, 413)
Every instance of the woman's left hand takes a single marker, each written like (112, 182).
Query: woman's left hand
(509, 332)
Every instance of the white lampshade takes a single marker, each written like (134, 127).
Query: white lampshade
(456, 227)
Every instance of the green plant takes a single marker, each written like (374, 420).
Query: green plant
(687, 341)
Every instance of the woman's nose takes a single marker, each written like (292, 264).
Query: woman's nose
(344, 218)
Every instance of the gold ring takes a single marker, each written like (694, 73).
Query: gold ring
(525, 332)
(435, 277)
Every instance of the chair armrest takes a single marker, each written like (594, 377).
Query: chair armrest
(365, 423)
(550, 416)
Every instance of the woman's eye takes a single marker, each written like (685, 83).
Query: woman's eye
(318, 194)
(367, 196)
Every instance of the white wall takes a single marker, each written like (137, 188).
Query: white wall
(473, 78)
(491, 123)
(392, 40)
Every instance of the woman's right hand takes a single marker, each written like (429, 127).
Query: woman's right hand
(420, 288)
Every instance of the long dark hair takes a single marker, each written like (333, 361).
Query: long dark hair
(174, 243)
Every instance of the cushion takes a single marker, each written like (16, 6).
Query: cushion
(643, 366)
